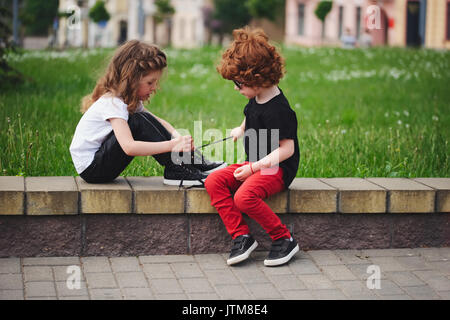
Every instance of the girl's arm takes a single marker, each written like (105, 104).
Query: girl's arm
(283, 152)
(166, 125)
(143, 148)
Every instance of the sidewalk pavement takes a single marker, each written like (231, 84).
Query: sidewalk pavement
(421, 273)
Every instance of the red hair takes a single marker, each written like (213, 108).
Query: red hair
(252, 60)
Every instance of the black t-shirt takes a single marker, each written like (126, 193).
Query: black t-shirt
(265, 126)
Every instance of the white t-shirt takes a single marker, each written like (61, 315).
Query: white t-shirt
(93, 128)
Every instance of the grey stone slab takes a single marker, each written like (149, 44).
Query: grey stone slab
(11, 281)
(396, 252)
(131, 280)
(339, 272)
(125, 264)
(312, 196)
(324, 257)
(137, 294)
(287, 282)
(433, 254)
(316, 281)
(388, 287)
(351, 256)
(221, 276)
(37, 273)
(158, 271)
(100, 280)
(211, 261)
(165, 286)
(51, 261)
(356, 289)
(303, 266)
(434, 279)
(106, 294)
(422, 293)
(171, 296)
(232, 292)
(196, 285)
(441, 266)
(328, 294)
(298, 295)
(414, 263)
(40, 289)
(405, 278)
(263, 291)
(388, 264)
(62, 273)
(64, 291)
(10, 265)
(96, 264)
(203, 296)
(187, 270)
(11, 294)
(248, 273)
(442, 187)
(170, 258)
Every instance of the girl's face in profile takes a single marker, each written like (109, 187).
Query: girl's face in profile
(148, 84)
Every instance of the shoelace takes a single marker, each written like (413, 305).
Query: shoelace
(187, 170)
(237, 244)
(278, 245)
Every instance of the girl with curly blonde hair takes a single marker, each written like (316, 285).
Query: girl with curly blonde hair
(115, 126)
(271, 145)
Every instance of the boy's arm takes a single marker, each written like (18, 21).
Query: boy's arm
(238, 131)
(166, 125)
(283, 152)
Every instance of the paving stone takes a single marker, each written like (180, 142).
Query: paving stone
(405, 278)
(355, 289)
(11, 281)
(51, 195)
(137, 294)
(328, 294)
(388, 253)
(396, 297)
(171, 296)
(249, 274)
(351, 256)
(113, 197)
(12, 195)
(298, 294)
(433, 254)
(11, 294)
(263, 291)
(166, 258)
(40, 289)
(434, 279)
(203, 296)
(10, 265)
(287, 282)
(125, 264)
(388, 287)
(421, 293)
(131, 280)
(406, 195)
(96, 264)
(309, 195)
(316, 281)
(152, 196)
(441, 266)
(37, 273)
(388, 264)
(358, 195)
(196, 285)
(51, 261)
(211, 261)
(165, 286)
(62, 273)
(442, 187)
(106, 294)
(221, 276)
(186, 270)
(158, 271)
(100, 280)
(444, 295)
(340, 272)
(414, 263)
(232, 292)
(64, 291)
(324, 257)
(303, 266)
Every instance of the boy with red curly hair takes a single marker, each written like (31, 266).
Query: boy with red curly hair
(271, 146)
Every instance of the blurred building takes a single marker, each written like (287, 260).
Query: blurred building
(388, 22)
(132, 19)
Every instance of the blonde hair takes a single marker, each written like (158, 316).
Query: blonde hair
(251, 59)
(132, 61)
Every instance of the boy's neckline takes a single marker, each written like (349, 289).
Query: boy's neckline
(271, 93)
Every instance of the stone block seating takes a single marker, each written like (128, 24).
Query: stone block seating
(65, 216)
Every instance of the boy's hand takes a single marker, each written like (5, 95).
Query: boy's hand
(236, 133)
(183, 144)
(243, 172)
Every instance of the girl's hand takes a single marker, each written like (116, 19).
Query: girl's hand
(183, 144)
(243, 172)
(236, 133)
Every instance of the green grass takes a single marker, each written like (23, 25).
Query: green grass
(382, 112)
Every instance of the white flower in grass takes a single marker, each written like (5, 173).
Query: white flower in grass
(386, 114)
(343, 131)
(406, 125)
(399, 122)
(406, 113)
(435, 118)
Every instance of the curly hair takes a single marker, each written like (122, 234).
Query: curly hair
(130, 63)
(252, 60)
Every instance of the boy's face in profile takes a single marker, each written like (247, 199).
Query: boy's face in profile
(248, 92)
(148, 84)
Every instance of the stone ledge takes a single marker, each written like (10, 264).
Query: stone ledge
(148, 195)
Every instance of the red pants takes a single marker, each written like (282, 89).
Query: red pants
(248, 198)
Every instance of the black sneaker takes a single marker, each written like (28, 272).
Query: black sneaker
(199, 162)
(183, 175)
(241, 249)
(282, 251)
